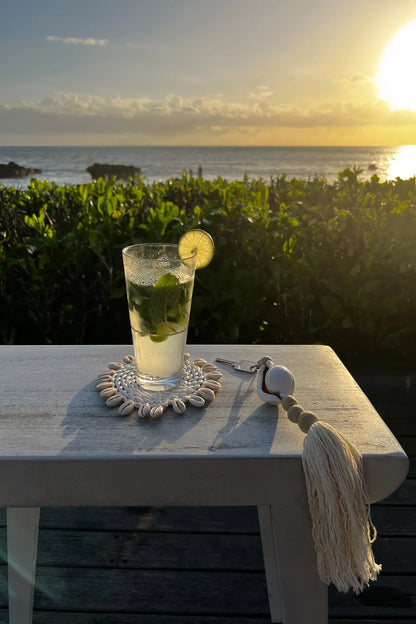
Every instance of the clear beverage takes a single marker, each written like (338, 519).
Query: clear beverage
(159, 292)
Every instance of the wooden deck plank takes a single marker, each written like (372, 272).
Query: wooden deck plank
(404, 495)
(390, 596)
(175, 593)
(94, 549)
(412, 469)
(98, 591)
(148, 591)
(396, 554)
(400, 419)
(179, 519)
(47, 617)
(136, 550)
(380, 620)
(389, 519)
(227, 520)
(394, 520)
(242, 520)
(408, 442)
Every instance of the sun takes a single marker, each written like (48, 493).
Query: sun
(396, 70)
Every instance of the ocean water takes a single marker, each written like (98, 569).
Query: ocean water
(67, 165)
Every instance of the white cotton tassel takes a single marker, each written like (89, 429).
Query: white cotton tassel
(338, 500)
(339, 508)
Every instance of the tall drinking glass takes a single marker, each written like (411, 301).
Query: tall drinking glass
(159, 292)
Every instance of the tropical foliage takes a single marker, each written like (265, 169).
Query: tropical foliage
(297, 261)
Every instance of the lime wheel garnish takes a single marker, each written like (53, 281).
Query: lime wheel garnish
(199, 244)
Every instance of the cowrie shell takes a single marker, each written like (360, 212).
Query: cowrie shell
(115, 365)
(156, 411)
(102, 379)
(206, 393)
(128, 359)
(108, 392)
(200, 362)
(126, 408)
(197, 401)
(178, 406)
(186, 356)
(103, 385)
(146, 407)
(115, 400)
(105, 374)
(209, 368)
(279, 380)
(214, 385)
(215, 375)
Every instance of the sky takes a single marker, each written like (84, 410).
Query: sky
(202, 72)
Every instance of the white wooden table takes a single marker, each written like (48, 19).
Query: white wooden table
(61, 446)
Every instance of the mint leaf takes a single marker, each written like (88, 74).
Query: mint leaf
(138, 299)
(167, 281)
(163, 299)
(161, 309)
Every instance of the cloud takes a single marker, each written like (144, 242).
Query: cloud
(260, 93)
(89, 41)
(356, 80)
(178, 116)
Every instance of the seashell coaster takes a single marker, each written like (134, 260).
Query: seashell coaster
(120, 389)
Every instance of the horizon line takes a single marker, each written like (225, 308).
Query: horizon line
(390, 146)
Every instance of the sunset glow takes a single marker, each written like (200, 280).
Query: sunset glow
(396, 71)
(208, 72)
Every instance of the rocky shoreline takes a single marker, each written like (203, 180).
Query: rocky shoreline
(97, 170)
(105, 171)
(13, 170)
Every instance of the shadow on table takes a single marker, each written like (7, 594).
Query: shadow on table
(93, 429)
(253, 431)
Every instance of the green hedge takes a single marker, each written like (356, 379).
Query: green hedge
(296, 261)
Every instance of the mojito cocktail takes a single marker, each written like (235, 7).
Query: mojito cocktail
(159, 292)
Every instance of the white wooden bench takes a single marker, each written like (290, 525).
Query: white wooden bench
(61, 446)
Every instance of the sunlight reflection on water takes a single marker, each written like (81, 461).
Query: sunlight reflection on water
(67, 165)
(403, 163)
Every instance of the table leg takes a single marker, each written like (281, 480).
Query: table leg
(296, 593)
(22, 542)
(270, 562)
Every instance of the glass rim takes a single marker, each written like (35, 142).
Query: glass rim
(125, 250)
